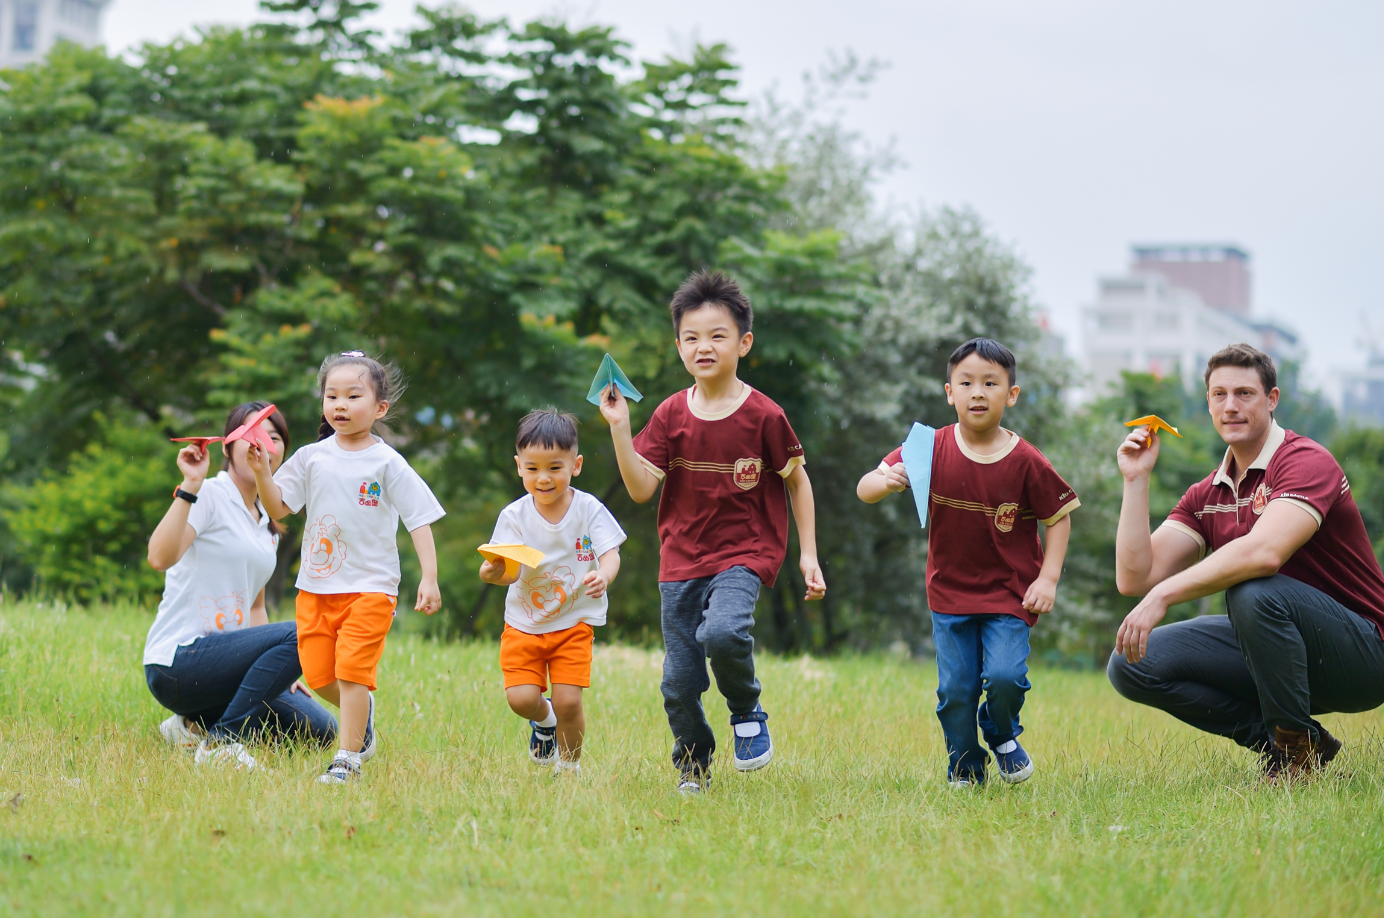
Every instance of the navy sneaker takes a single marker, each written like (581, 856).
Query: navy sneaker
(341, 771)
(1013, 763)
(753, 749)
(542, 744)
(367, 745)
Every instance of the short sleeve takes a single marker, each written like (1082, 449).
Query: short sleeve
(507, 529)
(202, 515)
(1049, 496)
(652, 442)
(411, 496)
(605, 531)
(893, 458)
(1309, 477)
(292, 479)
(783, 451)
(1184, 518)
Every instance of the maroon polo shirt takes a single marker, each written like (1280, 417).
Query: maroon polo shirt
(1339, 560)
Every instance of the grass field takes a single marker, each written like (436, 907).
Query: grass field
(1128, 814)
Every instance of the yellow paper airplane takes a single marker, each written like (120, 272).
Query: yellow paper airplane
(1153, 422)
(513, 555)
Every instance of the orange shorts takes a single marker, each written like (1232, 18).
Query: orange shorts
(530, 659)
(341, 635)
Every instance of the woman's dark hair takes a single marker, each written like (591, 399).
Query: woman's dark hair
(988, 349)
(1244, 355)
(703, 287)
(386, 381)
(238, 416)
(549, 428)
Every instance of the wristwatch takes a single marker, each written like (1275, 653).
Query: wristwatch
(185, 495)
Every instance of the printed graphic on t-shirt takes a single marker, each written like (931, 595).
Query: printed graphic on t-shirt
(1260, 500)
(223, 612)
(547, 594)
(585, 550)
(369, 493)
(1005, 515)
(747, 473)
(326, 549)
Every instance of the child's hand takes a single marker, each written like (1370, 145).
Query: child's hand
(614, 408)
(812, 576)
(1041, 595)
(429, 597)
(494, 572)
(595, 583)
(896, 477)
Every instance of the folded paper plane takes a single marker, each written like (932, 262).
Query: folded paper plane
(917, 462)
(251, 432)
(513, 555)
(608, 374)
(1154, 423)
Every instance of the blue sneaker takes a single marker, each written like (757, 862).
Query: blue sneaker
(542, 744)
(367, 745)
(753, 749)
(1014, 764)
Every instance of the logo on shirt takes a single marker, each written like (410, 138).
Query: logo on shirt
(585, 550)
(548, 594)
(1260, 499)
(369, 493)
(324, 550)
(222, 613)
(746, 474)
(1005, 515)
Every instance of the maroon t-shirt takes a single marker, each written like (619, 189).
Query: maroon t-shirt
(1339, 560)
(983, 550)
(724, 502)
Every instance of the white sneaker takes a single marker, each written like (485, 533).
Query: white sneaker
(224, 754)
(175, 731)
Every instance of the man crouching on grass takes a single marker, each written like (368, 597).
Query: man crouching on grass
(1304, 633)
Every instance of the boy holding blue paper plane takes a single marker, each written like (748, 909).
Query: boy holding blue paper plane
(983, 490)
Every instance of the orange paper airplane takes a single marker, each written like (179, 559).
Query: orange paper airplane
(1153, 422)
(513, 555)
(251, 432)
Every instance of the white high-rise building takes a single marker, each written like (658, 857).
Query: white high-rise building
(28, 28)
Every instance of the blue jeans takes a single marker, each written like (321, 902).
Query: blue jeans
(976, 652)
(707, 619)
(235, 685)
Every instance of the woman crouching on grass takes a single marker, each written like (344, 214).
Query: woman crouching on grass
(212, 656)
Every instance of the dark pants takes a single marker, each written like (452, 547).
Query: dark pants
(978, 653)
(707, 618)
(1284, 652)
(235, 685)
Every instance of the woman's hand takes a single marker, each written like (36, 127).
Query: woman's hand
(193, 462)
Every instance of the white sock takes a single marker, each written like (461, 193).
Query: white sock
(550, 721)
(348, 755)
(1008, 747)
(564, 765)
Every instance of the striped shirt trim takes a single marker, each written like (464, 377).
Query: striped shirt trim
(653, 469)
(793, 463)
(724, 468)
(1308, 508)
(1189, 532)
(1024, 514)
(1068, 507)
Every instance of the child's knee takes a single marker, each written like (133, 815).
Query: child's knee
(1007, 681)
(721, 642)
(522, 699)
(567, 705)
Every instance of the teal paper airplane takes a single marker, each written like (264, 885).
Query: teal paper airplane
(917, 462)
(610, 372)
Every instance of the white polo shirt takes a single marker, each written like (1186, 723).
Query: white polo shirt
(212, 587)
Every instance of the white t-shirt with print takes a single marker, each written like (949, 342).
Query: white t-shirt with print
(212, 587)
(355, 500)
(551, 597)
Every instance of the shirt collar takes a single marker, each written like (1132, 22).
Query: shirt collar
(1271, 445)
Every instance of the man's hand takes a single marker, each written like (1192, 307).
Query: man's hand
(614, 408)
(429, 597)
(896, 477)
(595, 583)
(812, 576)
(298, 686)
(1133, 637)
(1138, 453)
(1041, 595)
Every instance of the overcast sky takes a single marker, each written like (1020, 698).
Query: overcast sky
(1075, 127)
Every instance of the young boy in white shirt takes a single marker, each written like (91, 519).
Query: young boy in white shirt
(551, 610)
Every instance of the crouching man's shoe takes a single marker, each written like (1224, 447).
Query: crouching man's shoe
(1295, 757)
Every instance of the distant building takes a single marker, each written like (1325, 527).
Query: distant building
(1159, 319)
(1361, 393)
(28, 28)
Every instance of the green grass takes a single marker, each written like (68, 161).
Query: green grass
(1129, 813)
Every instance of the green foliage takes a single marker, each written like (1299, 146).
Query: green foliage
(85, 530)
(1361, 454)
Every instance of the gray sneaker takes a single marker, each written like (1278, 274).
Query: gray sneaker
(224, 755)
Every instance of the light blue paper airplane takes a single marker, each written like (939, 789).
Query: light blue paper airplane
(610, 372)
(917, 462)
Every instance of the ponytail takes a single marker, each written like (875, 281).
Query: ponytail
(324, 430)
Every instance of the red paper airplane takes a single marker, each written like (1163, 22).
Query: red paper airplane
(251, 432)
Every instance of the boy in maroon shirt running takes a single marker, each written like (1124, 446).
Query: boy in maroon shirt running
(988, 578)
(729, 463)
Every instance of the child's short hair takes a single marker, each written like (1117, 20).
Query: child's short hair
(702, 287)
(548, 428)
(386, 382)
(988, 349)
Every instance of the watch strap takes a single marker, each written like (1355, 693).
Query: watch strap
(185, 495)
